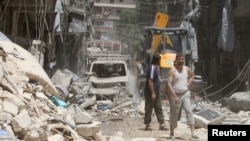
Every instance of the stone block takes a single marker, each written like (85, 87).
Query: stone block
(88, 130)
(208, 116)
(10, 108)
(21, 121)
(83, 118)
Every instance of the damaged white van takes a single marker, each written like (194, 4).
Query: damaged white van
(109, 79)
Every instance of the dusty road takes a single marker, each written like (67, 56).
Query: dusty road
(133, 127)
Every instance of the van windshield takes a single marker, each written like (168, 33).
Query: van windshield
(109, 70)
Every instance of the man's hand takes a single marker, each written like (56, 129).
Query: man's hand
(153, 96)
(176, 100)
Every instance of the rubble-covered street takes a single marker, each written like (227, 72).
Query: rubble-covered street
(30, 111)
(75, 70)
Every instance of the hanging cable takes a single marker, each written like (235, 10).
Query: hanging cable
(246, 67)
(27, 22)
(17, 19)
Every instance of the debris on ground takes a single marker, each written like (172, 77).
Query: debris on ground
(31, 107)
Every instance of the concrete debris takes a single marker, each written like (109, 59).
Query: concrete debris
(208, 116)
(10, 108)
(18, 123)
(56, 137)
(62, 77)
(124, 104)
(25, 94)
(239, 101)
(88, 130)
(27, 68)
(83, 118)
(89, 102)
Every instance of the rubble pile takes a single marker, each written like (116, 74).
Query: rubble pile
(27, 109)
(217, 113)
(31, 110)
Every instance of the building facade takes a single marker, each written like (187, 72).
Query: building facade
(105, 15)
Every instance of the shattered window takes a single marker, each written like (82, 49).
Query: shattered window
(109, 70)
(176, 41)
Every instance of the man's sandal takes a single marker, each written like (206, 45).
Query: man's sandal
(163, 127)
(148, 128)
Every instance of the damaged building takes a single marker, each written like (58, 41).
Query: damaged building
(223, 46)
(58, 33)
(222, 43)
(53, 30)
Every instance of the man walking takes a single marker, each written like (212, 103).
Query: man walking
(180, 78)
(152, 95)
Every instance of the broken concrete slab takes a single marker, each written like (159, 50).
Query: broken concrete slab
(5, 116)
(83, 118)
(238, 101)
(18, 122)
(62, 77)
(88, 130)
(10, 108)
(19, 57)
(208, 116)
